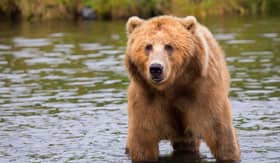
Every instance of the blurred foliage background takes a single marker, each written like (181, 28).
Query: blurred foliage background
(121, 9)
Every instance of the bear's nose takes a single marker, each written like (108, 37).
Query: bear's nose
(156, 71)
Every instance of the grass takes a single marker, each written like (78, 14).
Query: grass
(120, 9)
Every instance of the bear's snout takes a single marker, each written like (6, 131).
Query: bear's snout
(156, 71)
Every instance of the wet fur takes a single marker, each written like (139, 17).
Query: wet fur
(194, 104)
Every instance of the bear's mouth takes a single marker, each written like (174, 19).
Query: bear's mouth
(157, 79)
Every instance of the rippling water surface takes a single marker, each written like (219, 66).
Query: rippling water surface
(63, 90)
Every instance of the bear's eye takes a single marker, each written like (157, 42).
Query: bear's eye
(169, 48)
(149, 48)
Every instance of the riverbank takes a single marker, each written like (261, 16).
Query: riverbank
(32, 10)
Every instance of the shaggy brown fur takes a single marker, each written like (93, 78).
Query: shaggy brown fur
(191, 103)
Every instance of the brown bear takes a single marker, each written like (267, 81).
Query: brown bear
(178, 91)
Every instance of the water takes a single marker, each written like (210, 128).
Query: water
(63, 90)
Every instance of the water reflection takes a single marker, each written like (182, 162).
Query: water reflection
(63, 91)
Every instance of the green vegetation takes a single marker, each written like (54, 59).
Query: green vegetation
(119, 9)
(39, 9)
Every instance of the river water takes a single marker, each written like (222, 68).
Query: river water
(63, 90)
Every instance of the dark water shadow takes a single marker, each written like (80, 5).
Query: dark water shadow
(180, 157)
(183, 157)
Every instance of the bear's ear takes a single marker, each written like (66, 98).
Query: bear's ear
(189, 23)
(132, 23)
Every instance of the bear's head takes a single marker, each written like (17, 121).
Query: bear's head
(163, 49)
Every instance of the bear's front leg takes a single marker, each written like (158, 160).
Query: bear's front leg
(223, 143)
(144, 119)
(142, 145)
(221, 136)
